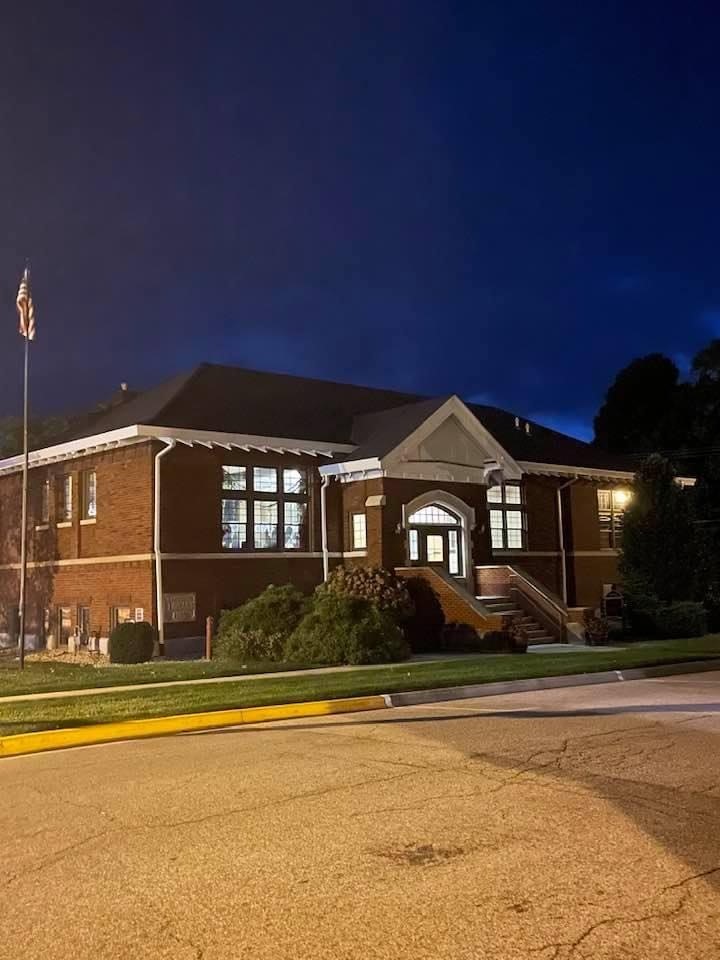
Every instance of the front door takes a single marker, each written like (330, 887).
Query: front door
(435, 547)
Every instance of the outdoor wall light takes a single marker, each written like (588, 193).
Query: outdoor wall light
(622, 497)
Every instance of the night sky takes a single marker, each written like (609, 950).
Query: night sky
(506, 200)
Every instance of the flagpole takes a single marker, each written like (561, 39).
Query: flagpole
(23, 535)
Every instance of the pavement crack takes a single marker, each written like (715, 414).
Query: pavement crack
(55, 858)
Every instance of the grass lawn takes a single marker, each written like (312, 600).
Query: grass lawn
(46, 676)
(76, 711)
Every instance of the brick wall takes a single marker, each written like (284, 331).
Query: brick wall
(457, 607)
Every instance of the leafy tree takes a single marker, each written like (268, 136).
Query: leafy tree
(660, 552)
(706, 395)
(645, 409)
(41, 433)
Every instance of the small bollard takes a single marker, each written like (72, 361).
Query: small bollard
(209, 624)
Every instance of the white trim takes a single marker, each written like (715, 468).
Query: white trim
(595, 553)
(251, 555)
(564, 470)
(359, 467)
(75, 448)
(526, 553)
(354, 553)
(42, 526)
(64, 524)
(88, 521)
(455, 505)
(81, 561)
(376, 500)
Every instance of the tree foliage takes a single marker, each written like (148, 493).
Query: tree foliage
(660, 555)
(42, 432)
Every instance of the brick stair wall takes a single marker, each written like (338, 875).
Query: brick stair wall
(458, 604)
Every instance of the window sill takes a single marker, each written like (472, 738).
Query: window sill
(88, 521)
(63, 524)
(42, 526)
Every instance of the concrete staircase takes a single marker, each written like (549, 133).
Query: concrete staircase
(506, 607)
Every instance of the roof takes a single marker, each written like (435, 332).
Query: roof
(234, 400)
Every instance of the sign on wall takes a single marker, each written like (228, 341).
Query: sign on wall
(179, 607)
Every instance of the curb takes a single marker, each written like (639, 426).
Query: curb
(473, 691)
(42, 741)
(23, 743)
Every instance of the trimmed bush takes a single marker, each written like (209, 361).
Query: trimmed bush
(423, 629)
(342, 629)
(682, 619)
(132, 643)
(382, 587)
(259, 629)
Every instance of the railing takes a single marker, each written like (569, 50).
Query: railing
(551, 613)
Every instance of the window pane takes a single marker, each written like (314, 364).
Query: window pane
(433, 514)
(89, 495)
(266, 511)
(234, 478)
(604, 500)
(64, 499)
(512, 494)
(514, 519)
(359, 531)
(496, 519)
(514, 539)
(294, 525)
(496, 536)
(414, 544)
(234, 535)
(265, 479)
(453, 554)
(435, 548)
(266, 535)
(294, 481)
(45, 501)
(234, 510)
(494, 494)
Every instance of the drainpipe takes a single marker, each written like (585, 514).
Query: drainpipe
(169, 445)
(561, 539)
(323, 526)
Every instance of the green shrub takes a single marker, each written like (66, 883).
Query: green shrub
(386, 590)
(423, 629)
(259, 629)
(682, 619)
(461, 638)
(342, 629)
(132, 643)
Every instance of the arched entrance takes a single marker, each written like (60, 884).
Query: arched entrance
(437, 527)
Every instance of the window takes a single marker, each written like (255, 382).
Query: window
(264, 508)
(294, 481)
(120, 615)
(611, 508)
(294, 524)
(45, 502)
(435, 548)
(265, 479)
(507, 519)
(89, 495)
(453, 553)
(234, 478)
(64, 499)
(266, 524)
(234, 524)
(359, 531)
(433, 515)
(414, 544)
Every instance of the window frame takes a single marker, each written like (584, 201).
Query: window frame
(44, 511)
(615, 519)
(85, 500)
(505, 507)
(356, 544)
(251, 496)
(64, 498)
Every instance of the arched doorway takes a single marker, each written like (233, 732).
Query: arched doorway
(435, 538)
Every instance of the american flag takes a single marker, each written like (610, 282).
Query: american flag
(25, 307)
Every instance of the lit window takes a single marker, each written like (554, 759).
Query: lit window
(359, 530)
(89, 495)
(435, 548)
(507, 529)
(120, 615)
(64, 499)
(294, 481)
(504, 493)
(414, 544)
(234, 478)
(294, 525)
(453, 553)
(611, 508)
(265, 479)
(433, 515)
(266, 524)
(234, 524)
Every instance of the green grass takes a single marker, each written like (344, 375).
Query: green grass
(48, 676)
(76, 711)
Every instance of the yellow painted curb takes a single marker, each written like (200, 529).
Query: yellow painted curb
(22, 743)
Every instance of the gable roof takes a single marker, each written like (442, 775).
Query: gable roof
(227, 399)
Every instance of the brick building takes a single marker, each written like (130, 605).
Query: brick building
(209, 487)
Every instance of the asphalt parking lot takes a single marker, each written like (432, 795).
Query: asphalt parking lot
(576, 823)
